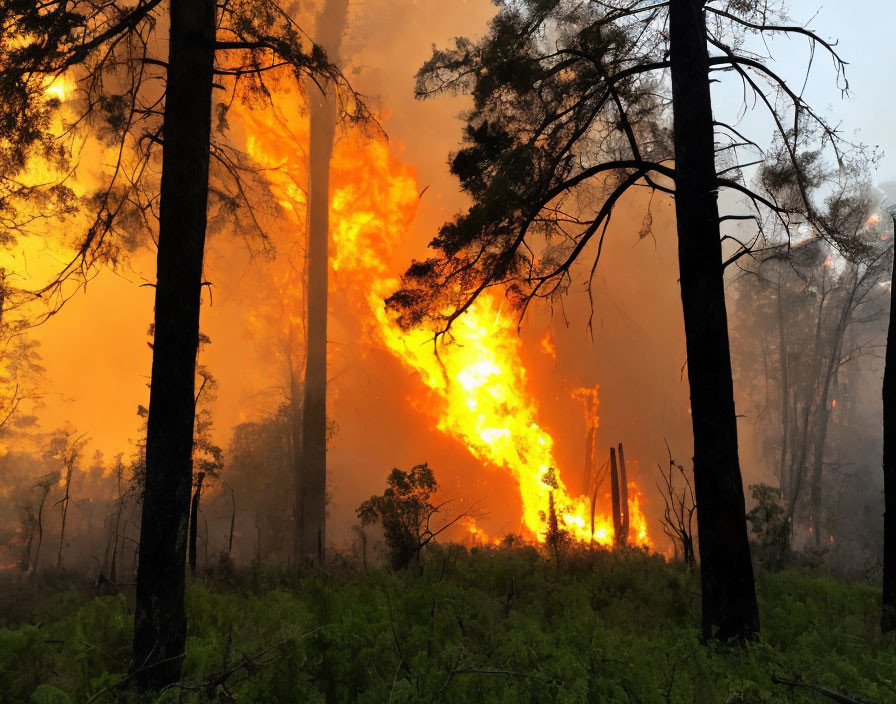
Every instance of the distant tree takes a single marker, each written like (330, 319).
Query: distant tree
(35, 522)
(208, 458)
(809, 307)
(259, 472)
(66, 449)
(312, 475)
(114, 520)
(571, 112)
(768, 522)
(405, 513)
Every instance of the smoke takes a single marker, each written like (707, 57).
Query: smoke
(627, 337)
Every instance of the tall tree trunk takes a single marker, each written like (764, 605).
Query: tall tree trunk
(159, 621)
(888, 614)
(194, 522)
(614, 499)
(323, 114)
(728, 591)
(623, 496)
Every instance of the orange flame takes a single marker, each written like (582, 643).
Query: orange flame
(478, 379)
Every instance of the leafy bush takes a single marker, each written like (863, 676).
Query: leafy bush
(770, 528)
(404, 511)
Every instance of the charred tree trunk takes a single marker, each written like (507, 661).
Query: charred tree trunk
(194, 522)
(323, 114)
(728, 591)
(159, 620)
(888, 614)
(623, 497)
(614, 499)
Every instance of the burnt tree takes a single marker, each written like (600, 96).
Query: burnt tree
(618, 537)
(625, 520)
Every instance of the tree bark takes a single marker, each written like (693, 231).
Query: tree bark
(888, 613)
(323, 114)
(728, 591)
(159, 619)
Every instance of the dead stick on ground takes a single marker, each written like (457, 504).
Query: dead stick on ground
(833, 696)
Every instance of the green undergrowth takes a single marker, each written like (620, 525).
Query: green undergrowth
(501, 625)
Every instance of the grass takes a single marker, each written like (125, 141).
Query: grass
(496, 625)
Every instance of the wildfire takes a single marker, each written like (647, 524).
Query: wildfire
(478, 378)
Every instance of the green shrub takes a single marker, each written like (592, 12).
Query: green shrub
(490, 625)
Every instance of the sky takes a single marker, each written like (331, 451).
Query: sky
(864, 32)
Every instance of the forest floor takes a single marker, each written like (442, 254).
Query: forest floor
(496, 625)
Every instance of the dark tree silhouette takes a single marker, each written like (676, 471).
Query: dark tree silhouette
(570, 114)
(888, 614)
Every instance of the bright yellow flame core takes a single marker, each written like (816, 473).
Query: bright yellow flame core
(478, 377)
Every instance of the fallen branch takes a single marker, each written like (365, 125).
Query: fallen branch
(833, 696)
